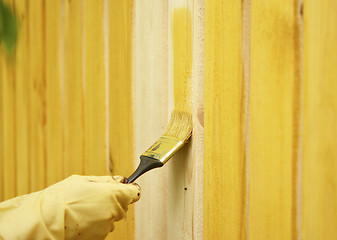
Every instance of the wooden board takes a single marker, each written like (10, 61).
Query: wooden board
(171, 203)
(319, 210)
(9, 162)
(121, 155)
(22, 101)
(225, 100)
(54, 93)
(274, 70)
(180, 70)
(2, 197)
(185, 82)
(37, 81)
(95, 91)
(9, 92)
(73, 89)
(150, 77)
(92, 85)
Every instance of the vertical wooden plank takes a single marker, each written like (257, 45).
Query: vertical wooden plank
(180, 71)
(150, 76)
(95, 102)
(180, 50)
(73, 89)
(2, 197)
(22, 100)
(168, 75)
(37, 90)
(120, 87)
(185, 94)
(121, 155)
(9, 124)
(2, 194)
(224, 163)
(273, 74)
(319, 200)
(9, 163)
(194, 159)
(54, 111)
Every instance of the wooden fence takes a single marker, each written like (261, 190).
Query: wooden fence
(91, 85)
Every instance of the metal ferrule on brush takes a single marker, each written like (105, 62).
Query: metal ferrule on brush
(163, 149)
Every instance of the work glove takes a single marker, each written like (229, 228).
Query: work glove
(79, 207)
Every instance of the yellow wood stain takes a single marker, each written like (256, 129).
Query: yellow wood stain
(9, 159)
(54, 108)
(319, 170)
(22, 101)
(9, 126)
(37, 96)
(43, 138)
(273, 74)
(181, 27)
(73, 90)
(121, 150)
(1, 134)
(224, 149)
(178, 217)
(120, 87)
(95, 103)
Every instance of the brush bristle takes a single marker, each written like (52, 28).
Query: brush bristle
(180, 125)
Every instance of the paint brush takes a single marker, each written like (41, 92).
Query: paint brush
(177, 133)
(180, 126)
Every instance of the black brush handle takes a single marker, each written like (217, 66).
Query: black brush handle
(146, 164)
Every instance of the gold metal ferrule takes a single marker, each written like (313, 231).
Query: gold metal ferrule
(164, 148)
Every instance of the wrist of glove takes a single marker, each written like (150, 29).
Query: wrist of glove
(79, 207)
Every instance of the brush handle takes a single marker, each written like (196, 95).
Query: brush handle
(146, 164)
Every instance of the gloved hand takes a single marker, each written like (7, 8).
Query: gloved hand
(79, 207)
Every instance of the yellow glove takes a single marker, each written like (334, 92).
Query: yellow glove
(79, 207)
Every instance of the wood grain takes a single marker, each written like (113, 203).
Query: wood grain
(194, 177)
(319, 209)
(121, 152)
(73, 89)
(168, 45)
(54, 92)
(9, 125)
(9, 128)
(224, 159)
(2, 194)
(179, 178)
(150, 83)
(22, 100)
(181, 47)
(273, 75)
(95, 86)
(92, 84)
(37, 114)
(185, 212)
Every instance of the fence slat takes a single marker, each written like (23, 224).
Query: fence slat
(22, 100)
(224, 152)
(73, 90)
(319, 201)
(274, 67)
(37, 90)
(9, 160)
(95, 99)
(54, 91)
(121, 152)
